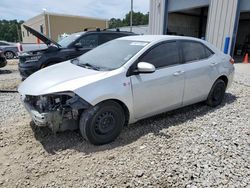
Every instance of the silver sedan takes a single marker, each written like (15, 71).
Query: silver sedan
(126, 80)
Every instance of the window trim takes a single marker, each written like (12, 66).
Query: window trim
(133, 66)
(193, 41)
(85, 35)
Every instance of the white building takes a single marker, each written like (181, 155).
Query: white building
(224, 23)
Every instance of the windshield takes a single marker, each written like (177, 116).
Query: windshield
(111, 55)
(69, 39)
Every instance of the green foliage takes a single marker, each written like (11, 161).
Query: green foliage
(10, 30)
(138, 19)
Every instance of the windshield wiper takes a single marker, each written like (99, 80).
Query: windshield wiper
(87, 65)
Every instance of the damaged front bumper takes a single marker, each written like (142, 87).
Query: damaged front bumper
(64, 117)
(40, 119)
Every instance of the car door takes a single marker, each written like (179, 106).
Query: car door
(198, 63)
(162, 90)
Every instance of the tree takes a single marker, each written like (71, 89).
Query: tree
(10, 30)
(138, 19)
(114, 23)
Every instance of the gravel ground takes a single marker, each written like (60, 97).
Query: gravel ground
(9, 76)
(196, 146)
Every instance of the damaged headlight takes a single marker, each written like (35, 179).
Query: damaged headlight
(57, 101)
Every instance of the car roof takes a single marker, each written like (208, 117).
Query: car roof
(110, 31)
(5, 42)
(155, 38)
(102, 31)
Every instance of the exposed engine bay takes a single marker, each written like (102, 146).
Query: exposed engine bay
(59, 111)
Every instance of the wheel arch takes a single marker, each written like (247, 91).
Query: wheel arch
(124, 107)
(224, 78)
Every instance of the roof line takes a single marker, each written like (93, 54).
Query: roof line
(67, 15)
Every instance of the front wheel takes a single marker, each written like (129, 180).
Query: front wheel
(102, 123)
(216, 94)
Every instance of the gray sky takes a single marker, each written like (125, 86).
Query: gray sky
(25, 9)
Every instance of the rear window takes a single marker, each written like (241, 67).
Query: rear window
(193, 51)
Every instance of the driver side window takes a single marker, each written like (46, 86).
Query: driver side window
(89, 41)
(163, 55)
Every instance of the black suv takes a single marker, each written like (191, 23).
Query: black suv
(68, 48)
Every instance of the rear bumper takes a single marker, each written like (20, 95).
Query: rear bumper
(3, 62)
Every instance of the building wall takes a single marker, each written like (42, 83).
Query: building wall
(156, 16)
(71, 24)
(35, 23)
(244, 5)
(178, 5)
(221, 22)
(60, 24)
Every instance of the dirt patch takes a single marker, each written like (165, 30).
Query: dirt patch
(9, 76)
(13, 62)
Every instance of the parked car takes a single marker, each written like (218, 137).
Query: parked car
(68, 48)
(126, 80)
(10, 49)
(27, 47)
(3, 61)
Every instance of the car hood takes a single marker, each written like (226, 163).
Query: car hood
(41, 36)
(59, 78)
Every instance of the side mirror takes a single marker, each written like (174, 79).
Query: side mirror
(144, 67)
(78, 45)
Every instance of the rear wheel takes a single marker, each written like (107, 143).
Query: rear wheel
(9, 55)
(216, 94)
(102, 123)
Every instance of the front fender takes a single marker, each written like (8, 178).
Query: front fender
(117, 87)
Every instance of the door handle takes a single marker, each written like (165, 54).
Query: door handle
(178, 73)
(213, 64)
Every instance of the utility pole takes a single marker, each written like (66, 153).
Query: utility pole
(131, 17)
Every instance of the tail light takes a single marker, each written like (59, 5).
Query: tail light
(232, 61)
(21, 47)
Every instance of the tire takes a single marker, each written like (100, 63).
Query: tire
(9, 55)
(217, 93)
(102, 123)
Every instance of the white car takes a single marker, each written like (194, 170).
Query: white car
(126, 80)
